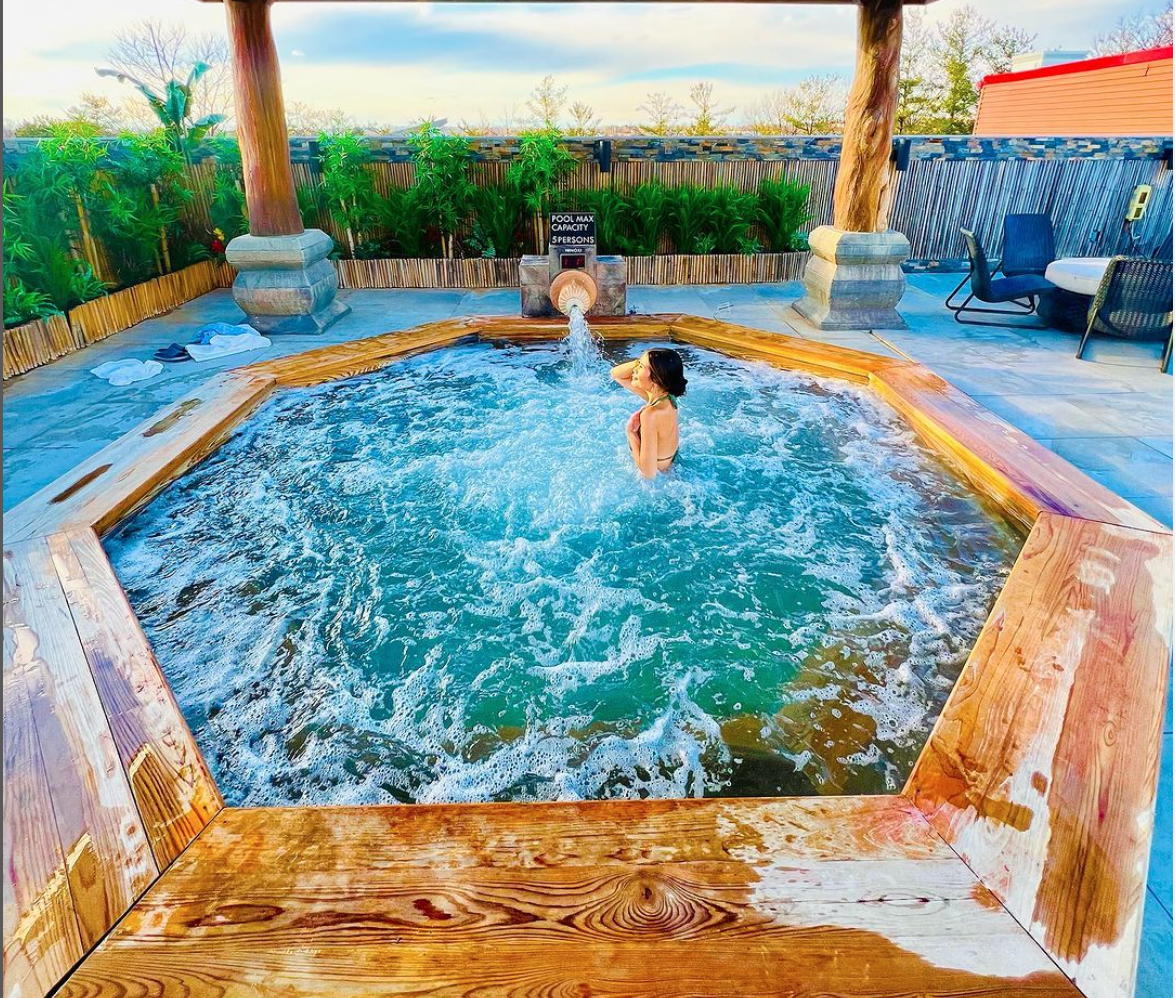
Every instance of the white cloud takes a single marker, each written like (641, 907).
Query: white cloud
(50, 48)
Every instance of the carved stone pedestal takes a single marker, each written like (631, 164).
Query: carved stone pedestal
(854, 280)
(286, 284)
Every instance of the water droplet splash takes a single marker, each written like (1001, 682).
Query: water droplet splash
(584, 347)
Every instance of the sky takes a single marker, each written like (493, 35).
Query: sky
(395, 63)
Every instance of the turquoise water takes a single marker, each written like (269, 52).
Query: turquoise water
(446, 582)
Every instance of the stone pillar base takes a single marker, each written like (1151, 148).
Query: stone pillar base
(610, 273)
(286, 284)
(854, 280)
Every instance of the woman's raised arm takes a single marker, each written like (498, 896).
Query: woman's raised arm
(622, 374)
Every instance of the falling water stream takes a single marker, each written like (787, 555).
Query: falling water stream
(583, 346)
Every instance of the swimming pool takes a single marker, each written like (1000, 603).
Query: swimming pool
(445, 581)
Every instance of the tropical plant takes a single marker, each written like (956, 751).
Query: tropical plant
(691, 209)
(498, 209)
(442, 183)
(648, 211)
(347, 184)
(732, 214)
(139, 221)
(64, 280)
(404, 216)
(23, 304)
(612, 212)
(226, 203)
(173, 107)
(537, 172)
(782, 210)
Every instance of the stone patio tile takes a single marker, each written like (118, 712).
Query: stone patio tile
(1159, 507)
(1159, 872)
(1162, 444)
(1124, 464)
(1048, 417)
(1154, 979)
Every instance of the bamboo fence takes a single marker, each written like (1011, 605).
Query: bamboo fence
(39, 342)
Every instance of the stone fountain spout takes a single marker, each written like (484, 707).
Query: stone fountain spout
(573, 289)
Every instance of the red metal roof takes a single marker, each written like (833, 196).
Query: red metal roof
(1128, 94)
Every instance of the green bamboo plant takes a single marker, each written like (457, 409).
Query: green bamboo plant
(543, 162)
(443, 184)
(347, 185)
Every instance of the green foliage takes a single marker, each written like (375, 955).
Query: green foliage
(23, 304)
(145, 194)
(404, 215)
(782, 210)
(347, 185)
(64, 280)
(649, 207)
(543, 162)
(173, 107)
(691, 214)
(497, 213)
(733, 213)
(226, 203)
(442, 182)
(613, 213)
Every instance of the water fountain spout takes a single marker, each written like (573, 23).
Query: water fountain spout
(573, 288)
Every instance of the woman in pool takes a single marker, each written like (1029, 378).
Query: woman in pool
(653, 429)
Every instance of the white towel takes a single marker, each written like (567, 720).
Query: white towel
(224, 346)
(127, 371)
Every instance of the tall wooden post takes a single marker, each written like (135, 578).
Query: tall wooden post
(261, 121)
(284, 283)
(861, 197)
(854, 279)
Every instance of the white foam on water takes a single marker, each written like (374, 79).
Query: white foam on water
(446, 581)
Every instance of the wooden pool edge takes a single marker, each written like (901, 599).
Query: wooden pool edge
(1087, 605)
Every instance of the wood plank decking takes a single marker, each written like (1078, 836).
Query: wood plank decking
(738, 898)
(1013, 863)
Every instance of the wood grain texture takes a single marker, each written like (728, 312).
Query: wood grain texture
(1041, 772)
(171, 784)
(127, 473)
(108, 863)
(41, 940)
(782, 350)
(861, 194)
(1014, 469)
(346, 360)
(260, 115)
(733, 898)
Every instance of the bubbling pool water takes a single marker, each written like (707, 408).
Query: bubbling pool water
(446, 582)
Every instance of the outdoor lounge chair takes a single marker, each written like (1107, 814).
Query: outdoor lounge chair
(1133, 302)
(1020, 292)
(1028, 245)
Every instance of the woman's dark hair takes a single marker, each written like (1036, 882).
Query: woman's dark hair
(665, 367)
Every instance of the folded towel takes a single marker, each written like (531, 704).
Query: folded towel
(205, 334)
(223, 346)
(126, 372)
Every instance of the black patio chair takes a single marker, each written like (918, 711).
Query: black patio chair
(1133, 302)
(1028, 245)
(1020, 292)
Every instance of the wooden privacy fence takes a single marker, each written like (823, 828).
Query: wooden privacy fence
(37, 343)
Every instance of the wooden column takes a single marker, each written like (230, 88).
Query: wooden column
(861, 197)
(261, 121)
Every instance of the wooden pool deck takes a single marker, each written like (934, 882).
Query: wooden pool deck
(1014, 861)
